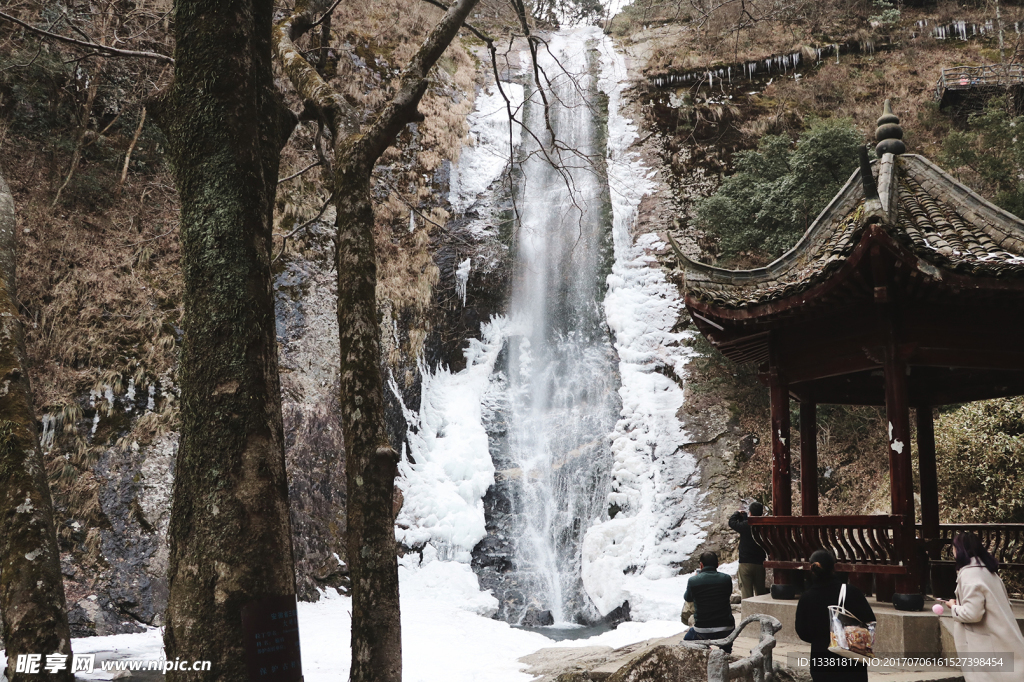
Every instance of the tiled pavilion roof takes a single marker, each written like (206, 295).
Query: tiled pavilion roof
(940, 220)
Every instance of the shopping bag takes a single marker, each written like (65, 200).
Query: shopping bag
(847, 631)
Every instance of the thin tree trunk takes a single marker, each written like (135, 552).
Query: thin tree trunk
(229, 535)
(31, 587)
(370, 464)
(90, 97)
(370, 461)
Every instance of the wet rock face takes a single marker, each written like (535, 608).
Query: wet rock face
(480, 237)
(720, 446)
(316, 491)
(307, 332)
(536, 618)
(130, 585)
(493, 557)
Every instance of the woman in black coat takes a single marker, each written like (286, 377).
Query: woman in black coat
(812, 621)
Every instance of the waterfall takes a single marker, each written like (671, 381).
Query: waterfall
(555, 461)
(562, 369)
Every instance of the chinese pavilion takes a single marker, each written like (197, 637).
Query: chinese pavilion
(906, 292)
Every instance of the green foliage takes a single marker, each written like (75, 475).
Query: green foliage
(992, 153)
(777, 191)
(980, 451)
(889, 14)
(566, 12)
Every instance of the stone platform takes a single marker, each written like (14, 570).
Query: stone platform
(897, 632)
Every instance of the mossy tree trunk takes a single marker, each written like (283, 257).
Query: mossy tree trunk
(230, 539)
(32, 602)
(370, 461)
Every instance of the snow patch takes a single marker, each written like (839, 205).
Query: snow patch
(657, 513)
(492, 138)
(448, 468)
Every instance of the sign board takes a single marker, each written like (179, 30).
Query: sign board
(271, 628)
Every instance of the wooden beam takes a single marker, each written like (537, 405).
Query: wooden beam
(782, 503)
(808, 458)
(929, 472)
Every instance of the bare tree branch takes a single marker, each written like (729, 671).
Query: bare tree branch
(114, 51)
(131, 147)
(335, 110)
(301, 227)
(298, 173)
(465, 25)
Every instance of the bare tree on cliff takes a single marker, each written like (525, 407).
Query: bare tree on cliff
(371, 462)
(230, 540)
(32, 603)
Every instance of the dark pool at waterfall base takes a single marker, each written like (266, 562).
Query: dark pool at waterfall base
(563, 631)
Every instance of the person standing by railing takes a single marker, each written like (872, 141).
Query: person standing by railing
(751, 573)
(812, 621)
(984, 620)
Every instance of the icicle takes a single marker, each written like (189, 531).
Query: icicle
(412, 221)
(730, 75)
(462, 279)
(49, 428)
(129, 398)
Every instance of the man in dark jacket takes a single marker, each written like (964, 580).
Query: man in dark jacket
(709, 591)
(751, 572)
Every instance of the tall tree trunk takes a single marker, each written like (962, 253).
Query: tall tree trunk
(32, 603)
(229, 534)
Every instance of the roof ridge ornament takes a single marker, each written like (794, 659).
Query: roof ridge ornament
(889, 134)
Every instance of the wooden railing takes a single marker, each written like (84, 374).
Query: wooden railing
(967, 77)
(861, 544)
(1004, 541)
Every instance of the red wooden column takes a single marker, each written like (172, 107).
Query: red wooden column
(901, 482)
(929, 473)
(782, 502)
(897, 412)
(809, 458)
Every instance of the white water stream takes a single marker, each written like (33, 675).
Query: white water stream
(562, 368)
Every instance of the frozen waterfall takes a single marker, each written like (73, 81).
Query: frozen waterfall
(565, 419)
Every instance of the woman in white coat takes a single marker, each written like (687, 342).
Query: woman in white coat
(984, 620)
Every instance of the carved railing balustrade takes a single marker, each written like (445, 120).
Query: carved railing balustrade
(861, 544)
(1004, 541)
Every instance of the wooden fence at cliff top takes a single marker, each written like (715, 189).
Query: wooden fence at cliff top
(970, 77)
